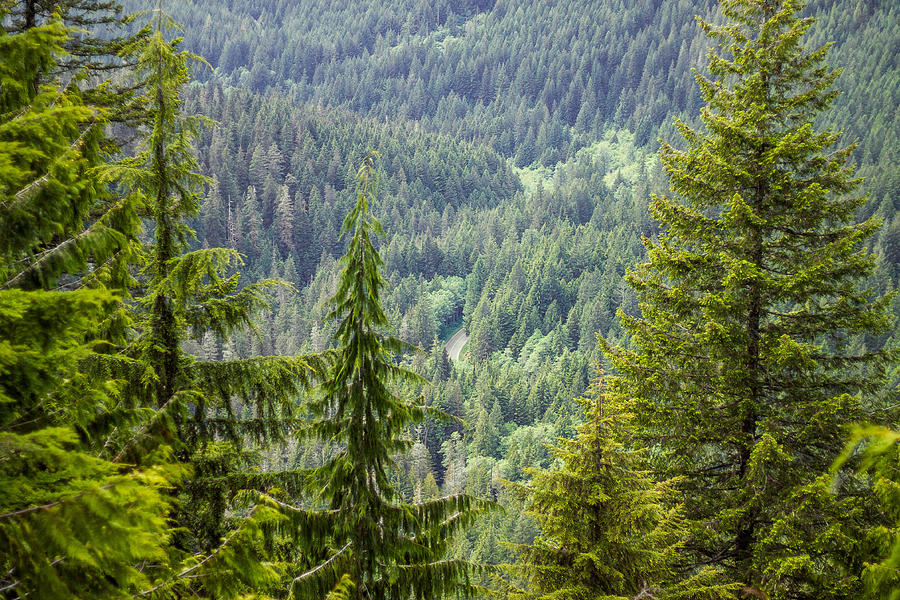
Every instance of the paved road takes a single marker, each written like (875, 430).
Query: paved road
(455, 344)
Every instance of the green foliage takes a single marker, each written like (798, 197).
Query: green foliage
(607, 529)
(95, 56)
(194, 293)
(290, 155)
(879, 459)
(473, 70)
(389, 548)
(217, 414)
(748, 359)
(74, 521)
(516, 179)
(474, 62)
(56, 218)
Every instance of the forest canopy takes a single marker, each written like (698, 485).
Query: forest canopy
(236, 237)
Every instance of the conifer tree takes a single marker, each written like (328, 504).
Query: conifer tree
(74, 522)
(217, 414)
(388, 548)
(57, 218)
(284, 217)
(748, 362)
(95, 57)
(607, 529)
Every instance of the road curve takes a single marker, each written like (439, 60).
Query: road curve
(455, 344)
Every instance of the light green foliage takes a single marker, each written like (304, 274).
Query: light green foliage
(74, 521)
(56, 217)
(607, 529)
(748, 359)
(615, 157)
(389, 548)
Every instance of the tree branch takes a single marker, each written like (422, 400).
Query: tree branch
(323, 565)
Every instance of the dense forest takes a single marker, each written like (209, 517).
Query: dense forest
(235, 238)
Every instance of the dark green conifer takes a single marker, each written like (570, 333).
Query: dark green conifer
(746, 366)
(218, 414)
(389, 548)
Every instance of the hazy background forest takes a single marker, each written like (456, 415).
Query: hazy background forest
(519, 144)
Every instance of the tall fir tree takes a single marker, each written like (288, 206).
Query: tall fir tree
(748, 359)
(607, 529)
(387, 548)
(74, 521)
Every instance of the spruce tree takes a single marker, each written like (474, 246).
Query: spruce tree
(74, 522)
(607, 529)
(748, 359)
(387, 548)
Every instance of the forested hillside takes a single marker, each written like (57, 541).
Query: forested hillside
(516, 151)
(518, 144)
(535, 81)
(543, 84)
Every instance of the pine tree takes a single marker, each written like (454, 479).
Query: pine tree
(746, 367)
(74, 522)
(218, 414)
(607, 529)
(389, 549)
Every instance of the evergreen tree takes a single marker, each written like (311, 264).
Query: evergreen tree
(389, 548)
(747, 364)
(607, 529)
(90, 48)
(284, 218)
(58, 217)
(74, 521)
(214, 216)
(440, 361)
(96, 57)
(218, 413)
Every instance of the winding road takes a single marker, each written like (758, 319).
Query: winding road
(455, 344)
